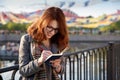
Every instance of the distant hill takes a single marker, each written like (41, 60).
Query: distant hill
(28, 17)
(73, 20)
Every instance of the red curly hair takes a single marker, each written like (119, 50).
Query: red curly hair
(37, 32)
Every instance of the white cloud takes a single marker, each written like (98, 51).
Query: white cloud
(95, 8)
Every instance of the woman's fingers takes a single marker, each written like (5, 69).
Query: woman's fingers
(45, 54)
(55, 62)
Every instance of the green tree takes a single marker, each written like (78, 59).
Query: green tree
(113, 26)
(10, 26)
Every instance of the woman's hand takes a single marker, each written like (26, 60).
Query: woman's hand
(44, 55)
(56, 64)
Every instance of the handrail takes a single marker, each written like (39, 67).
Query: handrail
(6, 69)
(14, 68)
(89, 64)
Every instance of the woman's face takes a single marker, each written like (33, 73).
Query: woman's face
(51, 29)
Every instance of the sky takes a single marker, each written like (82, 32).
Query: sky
(93, 7)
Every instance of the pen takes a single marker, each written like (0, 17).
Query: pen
(41, 49)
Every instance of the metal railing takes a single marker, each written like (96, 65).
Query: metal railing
(88, 64)
(100, 63)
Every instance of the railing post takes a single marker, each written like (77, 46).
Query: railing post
(1, 77)
(110, 62)
(13, 75)
(14, 72)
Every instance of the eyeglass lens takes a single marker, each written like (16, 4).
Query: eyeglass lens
(50, 28)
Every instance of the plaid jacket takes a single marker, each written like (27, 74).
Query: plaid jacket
(28, 65)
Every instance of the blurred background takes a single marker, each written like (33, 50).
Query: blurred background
(83, 16)
(89, 22)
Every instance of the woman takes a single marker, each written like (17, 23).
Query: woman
(46, 36)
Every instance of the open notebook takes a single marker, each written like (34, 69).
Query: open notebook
(55, 56)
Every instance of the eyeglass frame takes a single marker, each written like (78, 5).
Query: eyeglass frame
(50, 29)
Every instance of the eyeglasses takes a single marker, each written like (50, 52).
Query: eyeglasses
(50, 29)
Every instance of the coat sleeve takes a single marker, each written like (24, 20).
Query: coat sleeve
(27, 67)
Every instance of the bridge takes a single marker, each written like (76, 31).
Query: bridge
(79, 41)
(73, 38)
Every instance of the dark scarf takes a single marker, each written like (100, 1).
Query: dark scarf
(46, 71)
